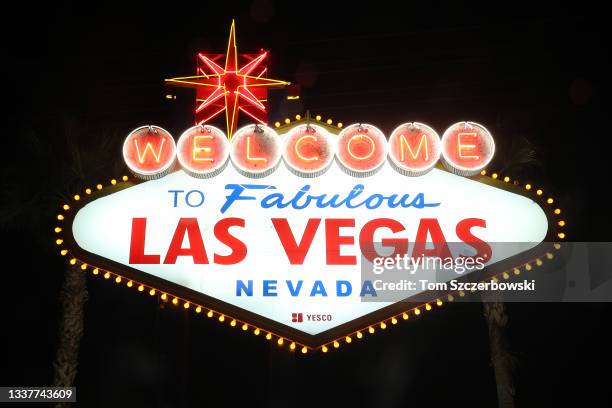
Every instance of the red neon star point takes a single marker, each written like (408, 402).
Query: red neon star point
(230, 88)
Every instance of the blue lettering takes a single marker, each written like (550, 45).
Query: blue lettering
(368, 289)
(318, 289)
(241, 287)
(294, 290)
(269, 288)
(347, 291)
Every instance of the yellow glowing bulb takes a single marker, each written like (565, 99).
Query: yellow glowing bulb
(324, 349)
(417, 312)
(393, 320)
(60, 217)
(57, 229)
(233, 323)
(558, 211)
(245, 327)
(59, 241)
(461, 293)
(561, 235)
(348, 339)
(450, 298)
(96, 271)
(506, 179)
(77, 197)
(439, 302)
(506, 275)
(164, 296)
(256, 332)
(383, 325)
(84, 266)
(292, 346)
(494, 176)
(124, 178)
(221, 318)
(118, 279)
(539, 192)
(304, 350)
(73, 261)
(329, 121)
(318, 117)
(287, 121)
(527, 186)
(359, 335)
(483, 172)
(539, 262)
(549, 255)
(64, 252)
(210, 313)
(427, 306)
(99, 186)
(528, 267)
(280, 341)
(107, 275)
(277, 124)
(405, 316)
(298, 117)
(268, 336)
(557, 246)
(198, 309)
(516, 271)
(152, 292)
(175, 301)
(561, 223)
(113, 182)
(340, 124)
(88, 191)
(186, 305)
(550, 201)
(140, 288)
(336, 344)
(130, 284)
(66, 207)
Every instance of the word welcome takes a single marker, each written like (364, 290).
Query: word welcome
(308, 150)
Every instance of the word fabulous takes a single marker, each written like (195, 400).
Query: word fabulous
(308, 150)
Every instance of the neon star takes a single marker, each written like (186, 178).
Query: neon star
(230, 88)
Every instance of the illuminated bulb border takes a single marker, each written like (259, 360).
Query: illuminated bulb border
(538, 194)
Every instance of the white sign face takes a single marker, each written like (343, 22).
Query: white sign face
(274, 246)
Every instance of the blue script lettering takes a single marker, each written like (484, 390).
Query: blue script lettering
(302, 199)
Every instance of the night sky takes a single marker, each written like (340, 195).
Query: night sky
(86, 75)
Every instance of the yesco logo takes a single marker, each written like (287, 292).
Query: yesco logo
(315, 317)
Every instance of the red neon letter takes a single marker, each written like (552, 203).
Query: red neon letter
(196, 244)
(239, 249)
(334, 240)
(137, 243)
(464, 233)
(427, 227)
(295, 252)
(366, 238)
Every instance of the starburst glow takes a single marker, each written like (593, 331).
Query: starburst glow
(232, 88)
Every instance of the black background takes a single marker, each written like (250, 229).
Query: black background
(520, 69)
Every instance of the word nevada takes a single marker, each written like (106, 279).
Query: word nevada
(308, 150)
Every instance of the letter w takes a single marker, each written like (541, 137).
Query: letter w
(149, 147)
